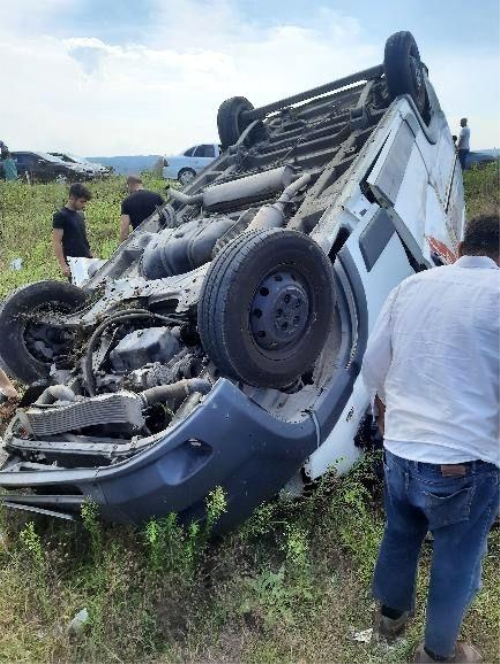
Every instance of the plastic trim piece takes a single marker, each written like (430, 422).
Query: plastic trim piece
(375, 237)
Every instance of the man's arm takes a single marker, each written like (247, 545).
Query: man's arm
(124, 227)
(6, 387)
(460, 139)
(57, 236)
(378, 354)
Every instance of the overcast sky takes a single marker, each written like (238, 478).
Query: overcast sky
(108, 77)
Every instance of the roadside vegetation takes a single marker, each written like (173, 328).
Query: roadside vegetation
(292, 584)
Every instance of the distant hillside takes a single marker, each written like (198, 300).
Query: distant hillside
(128, 164)
(494, 152)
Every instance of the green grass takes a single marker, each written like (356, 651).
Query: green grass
(291, 585)
(482, 189)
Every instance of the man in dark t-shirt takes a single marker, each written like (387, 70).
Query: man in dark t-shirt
(69, 235)
(139, 205)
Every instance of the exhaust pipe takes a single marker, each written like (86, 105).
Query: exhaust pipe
(273, 216)
(184, 199)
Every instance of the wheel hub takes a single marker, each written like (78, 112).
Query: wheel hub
(187, 177)
(280, 310)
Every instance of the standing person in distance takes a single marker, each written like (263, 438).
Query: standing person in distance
(139, 205)
(69, 233)
(8, 164)
(463, 143)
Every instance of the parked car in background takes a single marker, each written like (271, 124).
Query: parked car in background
(93, 169)
(482, 158)
(102, 170)
(44, 167)
(184, 167)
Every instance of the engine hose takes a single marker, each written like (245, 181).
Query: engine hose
(88, 375)
(55, 393)
(182, 388)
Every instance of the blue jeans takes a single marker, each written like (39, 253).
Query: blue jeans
(459, 511)
(462, 158)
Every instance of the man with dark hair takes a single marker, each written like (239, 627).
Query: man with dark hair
(463, 143)
(139, 205)
(69, 235)
(433, 360)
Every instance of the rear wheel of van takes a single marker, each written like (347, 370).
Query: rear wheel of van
(404, 69)
(231, 121)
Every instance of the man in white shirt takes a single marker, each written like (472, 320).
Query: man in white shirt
(463, 143)
(433, 360)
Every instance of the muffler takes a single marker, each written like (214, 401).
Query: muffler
(242, 191)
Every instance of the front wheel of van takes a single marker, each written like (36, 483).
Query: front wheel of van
(404, 71)
(266, 307)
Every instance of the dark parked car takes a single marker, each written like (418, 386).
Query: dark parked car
(91, 169)
(42, 167)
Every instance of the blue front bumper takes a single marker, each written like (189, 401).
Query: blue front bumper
(227, 441)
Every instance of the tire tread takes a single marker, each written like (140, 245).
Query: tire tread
(221, 278)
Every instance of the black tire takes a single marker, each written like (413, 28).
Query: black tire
(230, 121)
(186, 176)
(404, 70)
(226, 308)
(14, 324)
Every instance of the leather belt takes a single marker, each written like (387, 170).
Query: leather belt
(453, 470)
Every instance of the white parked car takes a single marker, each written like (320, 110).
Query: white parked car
(184, 167)
(222, 343)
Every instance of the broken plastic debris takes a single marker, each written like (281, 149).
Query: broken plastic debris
(79, 622)
(16, 264)
(363, 637)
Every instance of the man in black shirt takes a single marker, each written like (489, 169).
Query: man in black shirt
(69, 235)
(139, 205)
